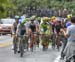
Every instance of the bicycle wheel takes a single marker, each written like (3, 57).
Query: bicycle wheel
(37, 40)
(32, 41)
(58, 42)
(15, 44)
(32, 46)
(53, 37)
(21, 48)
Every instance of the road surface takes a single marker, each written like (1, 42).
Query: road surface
(7, 55)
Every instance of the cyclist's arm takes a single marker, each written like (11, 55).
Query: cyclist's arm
(66, 33)
(17, 29)
(27, 30)
(37, 28)
(12, 29)
(16, 32)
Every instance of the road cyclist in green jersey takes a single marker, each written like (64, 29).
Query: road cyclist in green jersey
(45, 31)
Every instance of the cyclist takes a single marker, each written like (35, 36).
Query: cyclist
(57, 29)
(14, 27)
(27, 24)
(63, 38)
(32, 31)
(21, 30)
(45, 32)
(37, 22)
(39, 19)
(53, 22)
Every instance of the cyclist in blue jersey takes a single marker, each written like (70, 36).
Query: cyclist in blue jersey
(14, 27)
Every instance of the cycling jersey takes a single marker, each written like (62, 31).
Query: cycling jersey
(21, 30)
(44, 27)
(58, 27)
(32, 27)
(15, 27)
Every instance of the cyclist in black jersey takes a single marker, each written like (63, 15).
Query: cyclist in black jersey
(32, 31)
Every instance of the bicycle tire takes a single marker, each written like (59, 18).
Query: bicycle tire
(21, 48)
(15, 45)
(32, 42)
(32, 47)
(37, 40)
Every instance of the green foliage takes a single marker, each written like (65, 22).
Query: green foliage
(18, 6)
(4, 6)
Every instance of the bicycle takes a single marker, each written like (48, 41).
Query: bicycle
(26, 41)
(22, 44)
(53, 39)
(33, 40)
(37, 39)
(58, 41)
(15, 42)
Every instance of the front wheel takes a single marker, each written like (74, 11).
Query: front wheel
(21, 48)
(15, 45)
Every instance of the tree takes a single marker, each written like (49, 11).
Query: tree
(4, 5)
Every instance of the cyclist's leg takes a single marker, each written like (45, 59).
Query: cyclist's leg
(47, 41)
(38, 39)
(57, 41)
(31, 41)
(14, 36)
(26, 42)
(64, 45)
(34, 40)
(22, 44)
(54, 40)
(15, 44)
(44, 42)
(19, 39)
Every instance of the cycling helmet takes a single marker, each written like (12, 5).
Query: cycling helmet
(27, 19)
(17, 17)
(53, 18)
(39, 19)
(32, 18)
(45, 19)
(69, 16)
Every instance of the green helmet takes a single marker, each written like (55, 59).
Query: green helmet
(27, 19)
(39, 19)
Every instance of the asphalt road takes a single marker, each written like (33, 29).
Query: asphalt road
(7, 55)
